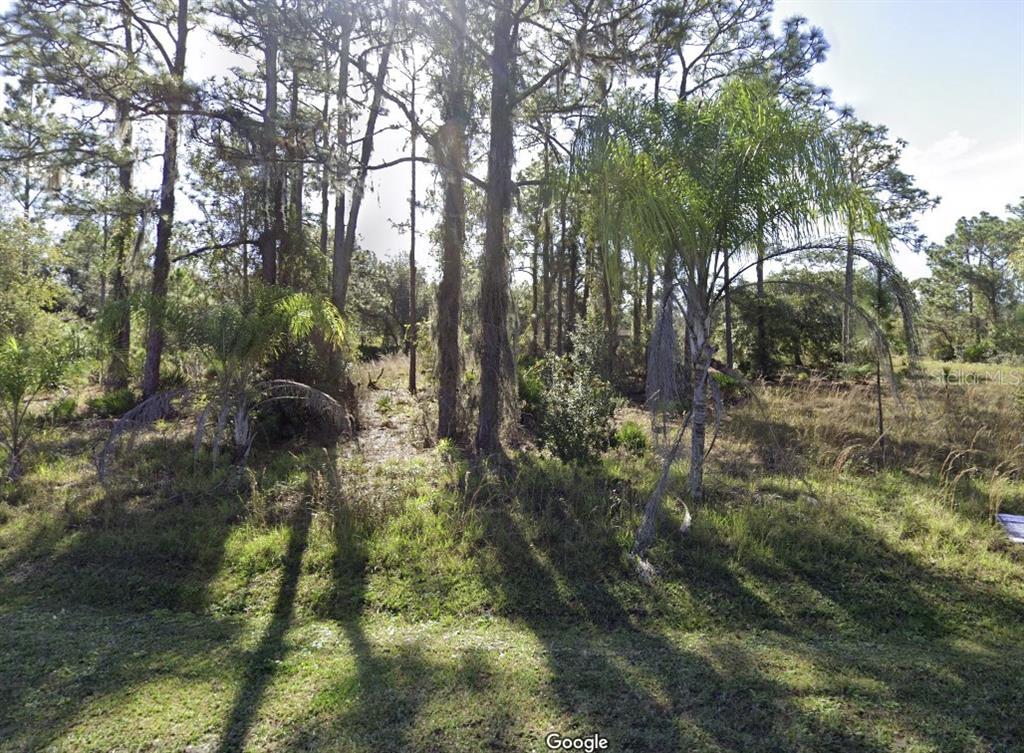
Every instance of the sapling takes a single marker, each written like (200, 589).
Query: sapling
(27, 370)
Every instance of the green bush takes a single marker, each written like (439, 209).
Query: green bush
(111, 404)
(977, 352)
(531, 391)
(62, 410)
(632, 438)
(576, 408)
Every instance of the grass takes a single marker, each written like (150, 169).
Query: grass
(389, 598)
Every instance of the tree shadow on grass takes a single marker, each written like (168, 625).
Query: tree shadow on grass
(262, 662)
(615, 672)
(134, 564)
(388, 698)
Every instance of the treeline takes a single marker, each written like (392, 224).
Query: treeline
(658, 181)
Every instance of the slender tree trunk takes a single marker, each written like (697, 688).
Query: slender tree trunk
(325, 182)
(269, 238)
(165, 222)
(572, 285)
(453, 230)
(649, 297)
(494, 277)
(547, 247)
(763, 367)
(535, 291)
(878, 371)
(637, 305)
(293, 247)
(122, 238)
(362, 169)
(561, 285)
(848, 301)
(728, 312)
(338, 290)
(702, 362)
(412, 247)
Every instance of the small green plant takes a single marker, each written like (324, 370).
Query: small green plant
(632, 438)
(531, 392)
(26, 371)
(576, 408)
(386, 405)
(62, 410)
(978, 352)
(112, 404)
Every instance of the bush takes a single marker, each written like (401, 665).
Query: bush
(576, 408)
(62, 410)
(111, 404)
(977, 352)
(631, 438)
(531, 392)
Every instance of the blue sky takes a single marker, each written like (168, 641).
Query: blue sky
(945, 75)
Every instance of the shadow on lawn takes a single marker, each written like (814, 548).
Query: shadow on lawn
(614, 676)
(261, 663)
(105, 592)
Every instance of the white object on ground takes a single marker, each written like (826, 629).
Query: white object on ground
(1014, 525)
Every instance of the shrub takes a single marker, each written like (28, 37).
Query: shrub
(62, 410)
(531, 392)
(977, 352)
(111, 404)
(26, 371)
(576, 409)
(631, 438)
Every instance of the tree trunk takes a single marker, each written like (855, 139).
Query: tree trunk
(494, 277)
(547, 243)
(728, 312)
(272, 197)
(699, 408)
(453, 231)
(878, 371)
(165, 222)
(362, 169)
(763, 367)
(535, 291)
(637, 305)
(325, 182)
(341, 170)
(288, 272)
(572, 284)
(412, 247)
(848, 301)
(120, 325)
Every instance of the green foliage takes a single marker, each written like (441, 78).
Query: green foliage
(26, 370)
(977, 352)
(28, 278)
(112, 404)
(632, 438)
(62, 410)
(576, 407)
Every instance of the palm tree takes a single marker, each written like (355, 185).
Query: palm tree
(703, 182)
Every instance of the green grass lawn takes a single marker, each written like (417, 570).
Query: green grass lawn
(389, 599)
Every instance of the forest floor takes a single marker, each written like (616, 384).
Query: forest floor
(385, 596)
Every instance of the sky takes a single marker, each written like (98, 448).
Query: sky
(947, 76)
